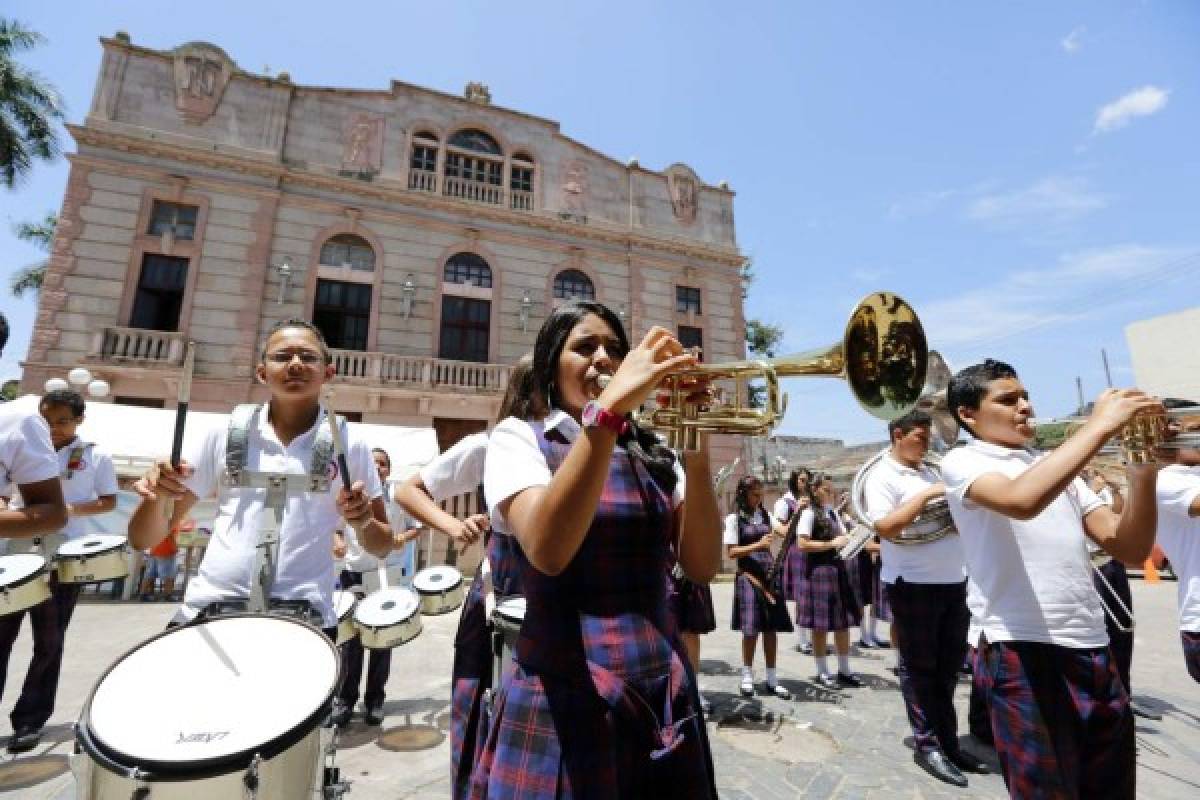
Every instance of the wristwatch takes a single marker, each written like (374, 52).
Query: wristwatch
(597, 416)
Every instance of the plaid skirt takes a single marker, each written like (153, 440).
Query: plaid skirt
(859, 570)
(830, 602)
(879, 598)
(752, 615)
(795, 572)
(471, 677)
(692, 606)
(1191, 652)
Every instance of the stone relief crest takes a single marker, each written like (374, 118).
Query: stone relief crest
(575, 188)
(202, 72)
(684, 188)
(362, 144)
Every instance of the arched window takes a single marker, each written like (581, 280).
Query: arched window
(520, 182)
(422, 172)
(469, 269)
(474, 167)
(476, 140)
(348, 250)
(571, 284)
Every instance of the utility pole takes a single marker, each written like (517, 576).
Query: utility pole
(1079, 391)
(1107, 373)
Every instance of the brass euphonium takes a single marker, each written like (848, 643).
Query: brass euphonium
(882, 356)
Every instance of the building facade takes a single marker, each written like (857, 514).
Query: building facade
(427, 235)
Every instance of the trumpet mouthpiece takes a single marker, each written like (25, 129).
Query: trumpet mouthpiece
(603, 381)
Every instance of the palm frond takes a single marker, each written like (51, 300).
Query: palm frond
(27, 279)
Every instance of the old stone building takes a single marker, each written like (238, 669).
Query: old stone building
(428, 236)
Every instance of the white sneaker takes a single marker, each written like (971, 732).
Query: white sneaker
(780, 691)
(747, 687)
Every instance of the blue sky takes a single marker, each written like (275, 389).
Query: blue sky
(1024, 173)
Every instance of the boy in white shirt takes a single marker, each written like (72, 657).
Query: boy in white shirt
(1179, 537)
(89, 487)
(294, 364)
(1060, 714)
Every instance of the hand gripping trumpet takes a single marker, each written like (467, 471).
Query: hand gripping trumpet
(1137, 441)
(882, 356)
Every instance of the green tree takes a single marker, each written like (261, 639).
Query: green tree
(29, 107)
(761, 340)
(9, 390)
(40, 235)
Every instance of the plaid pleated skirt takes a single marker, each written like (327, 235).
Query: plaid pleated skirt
(859, 570)
(879, 599)
(795, 571)
(752, 615)
(830, 602)
(471, 677)
(692, 606)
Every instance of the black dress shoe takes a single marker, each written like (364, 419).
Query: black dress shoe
(936, 764)
(24, 739)
(968, 762)
(846, 679)
(374, 716)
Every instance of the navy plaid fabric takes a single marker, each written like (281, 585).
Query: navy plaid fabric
(860, 569)
(49, 620)
(472, 673)
(979, 720)
(691, 605)
(930, 620)
(879, 598)
(752, 614)
(1061, 721)
(352, 662)
(795, 571)
(1191, 652)
(601, 704)
(829, 602)
(1120, 642)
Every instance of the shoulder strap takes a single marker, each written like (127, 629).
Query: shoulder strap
(322, 452)
(74, 456)
(237, 438)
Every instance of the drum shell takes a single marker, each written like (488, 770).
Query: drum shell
(509, 630)
(345, 627)
(93, 567)
(440, 601)
(386, 637)
(25, 594)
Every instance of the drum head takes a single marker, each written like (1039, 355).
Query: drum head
(91, 545)
(19, 568)
(213, 693)
(512, 609)
(387, 607)
(433, 580)
(343, 603)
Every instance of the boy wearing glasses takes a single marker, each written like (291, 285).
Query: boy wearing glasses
(295, 365)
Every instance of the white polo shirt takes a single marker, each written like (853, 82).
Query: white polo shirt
(26, 455)
(889, 485)
(359, 560)
(514, 462)
(309, 519)
(1179, 537)
(458, 470)
(729, 534)
(1031, 579)
(93, 477)
(780, 511)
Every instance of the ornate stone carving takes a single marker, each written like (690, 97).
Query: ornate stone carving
(575, 189)
(478, 92)
(362, 145)
(202, 71)
(684, 188)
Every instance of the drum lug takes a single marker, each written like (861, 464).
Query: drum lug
(250, 778)
(333, 787)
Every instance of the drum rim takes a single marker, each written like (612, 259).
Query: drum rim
(152, 770)
(448, 588)
(43, 570)
(58, 556)
(375, 627)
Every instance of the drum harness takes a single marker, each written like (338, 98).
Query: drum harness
(47, 546)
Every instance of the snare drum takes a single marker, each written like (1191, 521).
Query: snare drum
(441, 589)
(343, 606)
(24, 582)
(506, 623)
(254, 720)
(388, 618)
(92, 559)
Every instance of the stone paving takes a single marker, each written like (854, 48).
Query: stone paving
(846, 744)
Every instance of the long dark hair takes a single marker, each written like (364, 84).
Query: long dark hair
(552, 338)
(521, 398)
(741, 496)
(794, 480)
(820, 521)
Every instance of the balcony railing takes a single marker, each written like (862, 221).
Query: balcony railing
(138, 346)
(475, 191)
(521, 201)
(422, 180)
(385, 369)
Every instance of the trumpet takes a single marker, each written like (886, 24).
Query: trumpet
(1139, 438)
(882, 355)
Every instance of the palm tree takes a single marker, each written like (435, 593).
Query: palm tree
(29, 107)
(40, 235)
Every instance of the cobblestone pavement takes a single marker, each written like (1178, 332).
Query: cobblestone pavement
(821, 744)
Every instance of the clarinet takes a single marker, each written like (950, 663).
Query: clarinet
(788, 541)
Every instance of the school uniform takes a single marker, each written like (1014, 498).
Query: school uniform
(794, 570)
(1179, 537)
(752, 614)
(86, 474)
(601, 702)
(305, 550)
(1060, 715)
(454, 472)
(691, 603)
(926, 588)
(829, 601)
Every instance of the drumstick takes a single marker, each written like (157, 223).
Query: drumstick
(181, 409)
(339, 446)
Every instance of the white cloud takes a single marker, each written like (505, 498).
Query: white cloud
(1139, 103)
(1077, 286)
(1055, 199)
(1073, 42)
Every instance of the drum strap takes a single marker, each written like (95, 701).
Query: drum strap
(75, 458)
(237, 440)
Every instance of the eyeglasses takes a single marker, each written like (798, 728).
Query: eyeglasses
(307, 357)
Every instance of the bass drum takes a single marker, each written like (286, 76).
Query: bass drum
(343, 606)
(23, 582)
(247, 725)
(441, 589)
(92, 559)
(388, 618)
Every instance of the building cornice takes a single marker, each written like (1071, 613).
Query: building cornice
(283, 174)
